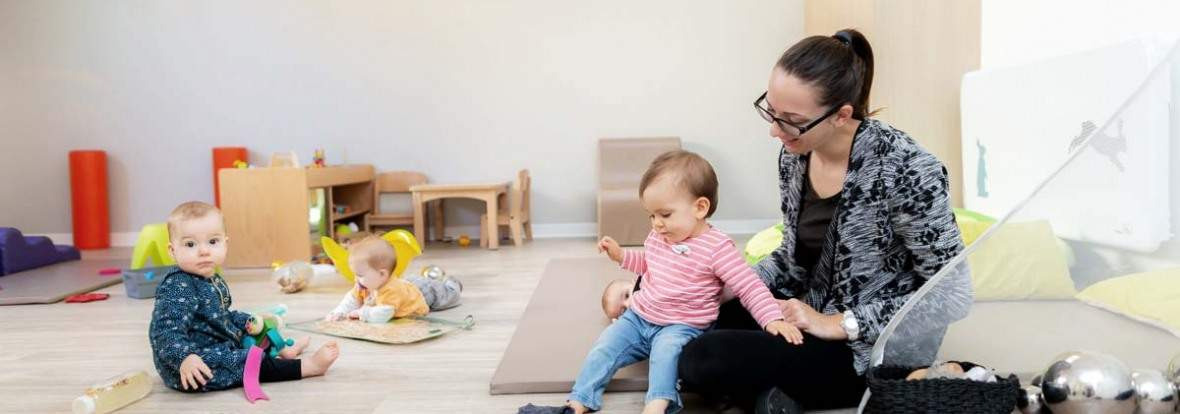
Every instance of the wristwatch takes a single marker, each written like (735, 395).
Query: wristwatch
(851, 327)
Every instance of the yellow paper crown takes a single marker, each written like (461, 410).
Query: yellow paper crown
(405, 247)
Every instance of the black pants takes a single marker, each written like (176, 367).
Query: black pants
(275, 370)
(738, 360)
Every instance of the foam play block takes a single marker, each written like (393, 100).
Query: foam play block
(559, 325)
(50, 284)
(19, 253)
(89, 199)
(621, 164)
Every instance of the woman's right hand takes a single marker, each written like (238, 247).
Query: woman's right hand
(612, 249)
(194, 373)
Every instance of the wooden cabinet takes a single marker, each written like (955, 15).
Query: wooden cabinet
(270, 212)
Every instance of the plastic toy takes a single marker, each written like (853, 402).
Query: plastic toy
(268, 337)
(18, 252)
(292, 276)
(404, 245)
(87, 297)
(241, 165)
(152, 244)
(464, 240)
(318, 159)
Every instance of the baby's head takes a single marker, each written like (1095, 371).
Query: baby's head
(350, 238)
(679, 191)
(196, 238)
(372, 260)
(616, 298)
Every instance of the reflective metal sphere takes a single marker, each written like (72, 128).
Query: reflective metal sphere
(1154, 393)
(433, 272)
(1084, 382)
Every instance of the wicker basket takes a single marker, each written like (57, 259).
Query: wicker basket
(891, 393)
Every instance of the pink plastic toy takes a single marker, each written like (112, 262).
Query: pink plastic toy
(250, 376)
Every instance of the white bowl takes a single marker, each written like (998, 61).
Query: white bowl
(377, 314)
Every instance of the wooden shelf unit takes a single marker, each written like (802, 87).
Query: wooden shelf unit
(267, 210)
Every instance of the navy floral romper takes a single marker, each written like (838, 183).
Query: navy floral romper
(192, 316)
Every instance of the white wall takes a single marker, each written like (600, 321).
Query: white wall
(464, 90)
(1020, 31)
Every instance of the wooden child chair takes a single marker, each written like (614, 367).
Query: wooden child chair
(390, 182)
(514, 213)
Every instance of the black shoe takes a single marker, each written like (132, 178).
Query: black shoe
(539, 409)
(774, 401)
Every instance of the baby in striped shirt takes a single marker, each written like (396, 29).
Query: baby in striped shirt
(683, 268)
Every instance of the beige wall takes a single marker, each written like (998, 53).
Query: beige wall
(464, 90)
(922, 49)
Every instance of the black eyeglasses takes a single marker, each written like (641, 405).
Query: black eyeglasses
(764, 111)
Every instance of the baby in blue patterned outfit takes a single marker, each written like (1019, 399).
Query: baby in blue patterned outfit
(196, 338)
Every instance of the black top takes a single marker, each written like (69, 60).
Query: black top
(815, 216)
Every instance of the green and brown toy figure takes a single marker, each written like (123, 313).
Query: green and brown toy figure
(263, 331)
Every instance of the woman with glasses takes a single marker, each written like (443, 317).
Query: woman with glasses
(867, 220)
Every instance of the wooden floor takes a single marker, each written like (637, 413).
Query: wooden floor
(50, 353)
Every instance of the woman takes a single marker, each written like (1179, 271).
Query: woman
(867, 220)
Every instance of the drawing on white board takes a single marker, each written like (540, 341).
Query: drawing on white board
(981, 175)
(1110, 147)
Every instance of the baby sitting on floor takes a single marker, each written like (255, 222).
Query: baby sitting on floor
(196, 338)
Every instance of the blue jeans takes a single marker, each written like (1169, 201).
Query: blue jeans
(627, 341)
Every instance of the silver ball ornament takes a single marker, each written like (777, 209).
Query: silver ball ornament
(1030, 400)
(433, 272)
(1155, 394)
(1084, 382)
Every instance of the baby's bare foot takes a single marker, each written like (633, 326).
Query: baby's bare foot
(318, 363)
(293, 351)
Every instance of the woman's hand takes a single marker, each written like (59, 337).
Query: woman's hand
(612, 249)
(785, 330)
(805, 317)
(194, 373)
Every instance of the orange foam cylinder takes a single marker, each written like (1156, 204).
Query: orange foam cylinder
(88, 197)
(224, 157)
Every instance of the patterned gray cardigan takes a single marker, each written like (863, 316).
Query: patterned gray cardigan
(892, 231)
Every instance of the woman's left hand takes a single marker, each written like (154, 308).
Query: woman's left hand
(806, 318)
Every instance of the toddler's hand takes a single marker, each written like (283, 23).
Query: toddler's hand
(785, 330)
(356, 314)
(194, 373)
(334, 316)
(612, 249)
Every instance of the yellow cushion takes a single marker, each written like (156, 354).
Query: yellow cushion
(1150, 297)
(1021, 261)
(971, 224)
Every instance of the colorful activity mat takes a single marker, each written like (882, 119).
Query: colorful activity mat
(398, 331)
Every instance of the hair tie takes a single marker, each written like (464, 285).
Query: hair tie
(843, 37)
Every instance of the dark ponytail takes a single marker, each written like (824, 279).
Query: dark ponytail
(840, 66)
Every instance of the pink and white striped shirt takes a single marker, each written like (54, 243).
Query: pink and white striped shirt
(682, 285)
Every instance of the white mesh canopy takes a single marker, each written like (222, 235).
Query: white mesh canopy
(1077, 159)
